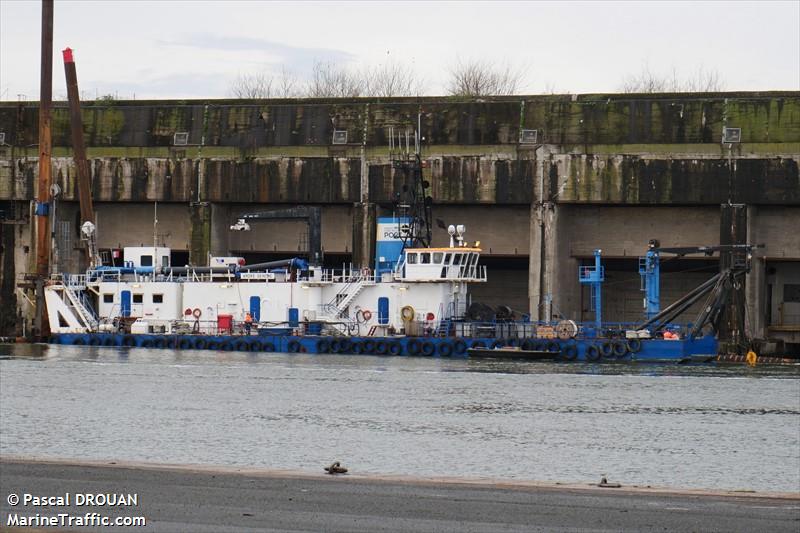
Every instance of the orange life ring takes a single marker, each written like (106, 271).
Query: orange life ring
(197, 313)
(366, 314)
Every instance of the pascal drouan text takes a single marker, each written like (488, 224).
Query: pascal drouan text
(81, 499)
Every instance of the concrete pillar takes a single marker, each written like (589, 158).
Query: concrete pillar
(364, 222)
(364, 228)
(733, 230)
(219, 232)
(199, 234)
(755, 284)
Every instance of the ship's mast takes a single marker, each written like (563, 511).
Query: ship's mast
(413, 202)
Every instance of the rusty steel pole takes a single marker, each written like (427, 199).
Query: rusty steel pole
(45, 143)
(78, 146)
(41, 326)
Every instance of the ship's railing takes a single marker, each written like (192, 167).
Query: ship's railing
(75, 281)
(523, 329)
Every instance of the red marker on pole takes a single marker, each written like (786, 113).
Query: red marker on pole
(67, 52)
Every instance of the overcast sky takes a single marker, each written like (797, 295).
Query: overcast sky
(172, 49)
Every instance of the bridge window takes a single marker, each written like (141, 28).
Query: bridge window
(425, 258)
(158, 298)
(147, 260)
(447, 258)
(456, 259)
(108, 298)
(412, 258)
(137, 298)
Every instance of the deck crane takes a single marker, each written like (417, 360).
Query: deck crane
(88, 228)
(312, 215)
(719, 287)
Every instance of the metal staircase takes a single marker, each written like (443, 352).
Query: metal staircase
(337, 307)
(77, 301)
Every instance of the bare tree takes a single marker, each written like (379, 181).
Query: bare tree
(252, 86)
(331, 80)
(284, 84)
(481, 78)
(647, 81)
(392, 79)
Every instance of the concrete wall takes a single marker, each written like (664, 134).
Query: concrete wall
(606, 171)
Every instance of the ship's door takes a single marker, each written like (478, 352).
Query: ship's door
(383, 310)
(255, 308)
(125, 304)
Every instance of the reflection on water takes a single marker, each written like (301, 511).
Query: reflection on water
(686, 426)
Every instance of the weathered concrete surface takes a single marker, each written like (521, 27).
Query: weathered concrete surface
(607, 171)
(221, 500)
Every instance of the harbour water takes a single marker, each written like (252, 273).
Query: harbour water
(715, 427)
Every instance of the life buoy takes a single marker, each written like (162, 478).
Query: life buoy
(752, 358)
(368, 346)
(197, 313)
(407, 313)
(367, 314)
(395, 348)
(634, 345)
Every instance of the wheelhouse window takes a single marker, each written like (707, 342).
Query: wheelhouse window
(138, 298)
(108, 298)
(411, 258)
(447, 258)
(147, 260)
(456, 259)
(158, 298)
(425, 258)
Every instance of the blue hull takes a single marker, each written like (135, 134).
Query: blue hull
(588, 350)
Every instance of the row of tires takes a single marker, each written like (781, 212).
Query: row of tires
(378, 346)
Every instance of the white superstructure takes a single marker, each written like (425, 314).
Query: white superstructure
(427, 285)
